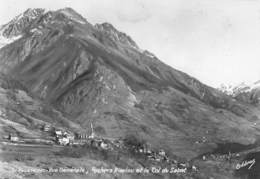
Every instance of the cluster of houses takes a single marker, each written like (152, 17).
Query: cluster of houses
(68, 138)
(226, 157)
(161, 156)
(64, 137)
(157, 156)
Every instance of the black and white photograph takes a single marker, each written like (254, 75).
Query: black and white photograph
(129, 89)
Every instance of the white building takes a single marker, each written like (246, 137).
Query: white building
(13, 138)
(63, 141)
(58, 132)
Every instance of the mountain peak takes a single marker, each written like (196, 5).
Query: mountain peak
(33, 12)
(28, 15)
(116, 35)
(17, 25)
(69, 9)
(73, 15)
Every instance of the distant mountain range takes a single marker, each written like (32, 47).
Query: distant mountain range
(249, 93)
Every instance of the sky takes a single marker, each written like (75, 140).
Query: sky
(217, 42)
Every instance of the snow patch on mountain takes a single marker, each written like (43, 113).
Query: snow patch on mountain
(255, 85)
(240, 88)
(5, 41)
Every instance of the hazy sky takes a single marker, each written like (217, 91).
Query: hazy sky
(216, 41)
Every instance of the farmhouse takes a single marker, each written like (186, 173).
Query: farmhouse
(13, 137)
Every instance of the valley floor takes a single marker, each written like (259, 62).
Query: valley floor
(54, 161)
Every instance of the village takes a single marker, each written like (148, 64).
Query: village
(64, 138)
